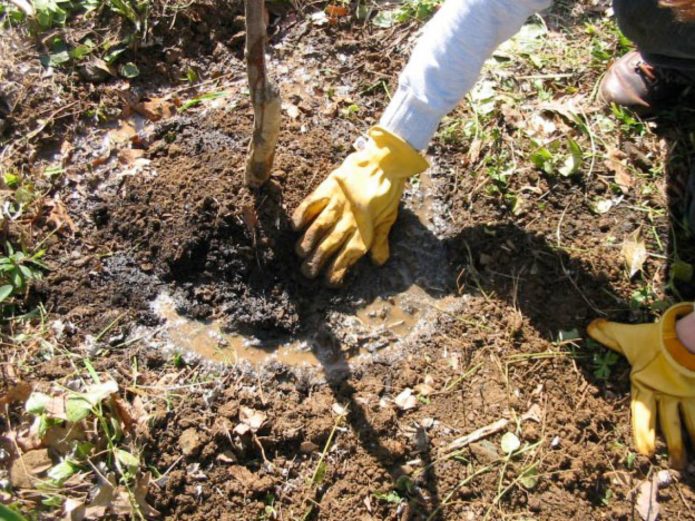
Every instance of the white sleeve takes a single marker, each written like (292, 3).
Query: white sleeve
(446, 62)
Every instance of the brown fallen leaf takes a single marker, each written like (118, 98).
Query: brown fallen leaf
(60, 438)
(616, 163)
(122, 505)
(226, 457)
(335, 12)
(122, 134)
(17, 392)
(27, 438)
(123, 411)
(128, 156)
(155, 109)
(189, 441)
(140, 493)
(634, 252)
(58, 215)
(28, 466)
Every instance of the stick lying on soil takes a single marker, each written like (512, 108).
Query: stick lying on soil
(479, 434)
(533, 414)
(265, 99)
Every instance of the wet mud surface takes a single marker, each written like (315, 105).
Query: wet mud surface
(177, 256)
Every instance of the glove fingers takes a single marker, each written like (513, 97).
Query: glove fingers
(688, 410)
(380, 248)
(318, 229)
(327, 247)
(643, 408)
(348, 255)
(606, 333)
(311, 207)
(671, 429)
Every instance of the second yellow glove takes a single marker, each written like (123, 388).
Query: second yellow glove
(662, 377)
(352, 210)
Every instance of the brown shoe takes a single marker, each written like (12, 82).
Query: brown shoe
(631, 82)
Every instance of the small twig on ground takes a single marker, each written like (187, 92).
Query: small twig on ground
(476, 435)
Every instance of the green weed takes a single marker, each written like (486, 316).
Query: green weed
(107, 445)
(54, 14)
(17, 269)
(603, 364)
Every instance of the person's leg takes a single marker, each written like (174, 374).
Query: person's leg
(662, 40)
(664, 63)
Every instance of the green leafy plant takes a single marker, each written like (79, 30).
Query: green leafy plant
(9, 514)
(603, 362)
(417, 10)
(200, 99)
(107, 442)
(410, 10)
(392, 496)
(50, 13)
(563, 158)
(17, 269)
(629, 124)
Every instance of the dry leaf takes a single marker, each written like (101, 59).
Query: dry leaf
(474, 150)
(128, 156)
(140, 493)
(155, 109)
(123, 411)
(292, 111)
(616, 163)
(424, 389)
(253, 419)
(121, 504)
(646, 504)
(189, 441)
(27, 438)
(339, 410)
(125, 132)
(335, 12)
(26, 467)
(60, 437)
(541, 125)
(19, 392)
(534, 414)
(58, 215)
(405, 400)
(74, 510)
(226, 457)
(634, 252)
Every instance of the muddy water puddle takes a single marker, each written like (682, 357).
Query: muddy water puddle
(209, 341)
(378, 325)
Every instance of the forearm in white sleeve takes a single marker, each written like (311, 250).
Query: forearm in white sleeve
(447, 60)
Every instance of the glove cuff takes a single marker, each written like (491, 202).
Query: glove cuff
(672, 348)
(406, 161)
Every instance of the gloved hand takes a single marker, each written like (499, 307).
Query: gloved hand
(662, 377)
(352, 210)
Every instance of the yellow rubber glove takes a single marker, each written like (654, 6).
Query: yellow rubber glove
(352, 210)
(662, 377)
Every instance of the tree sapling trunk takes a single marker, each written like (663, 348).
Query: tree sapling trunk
(265, 99)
